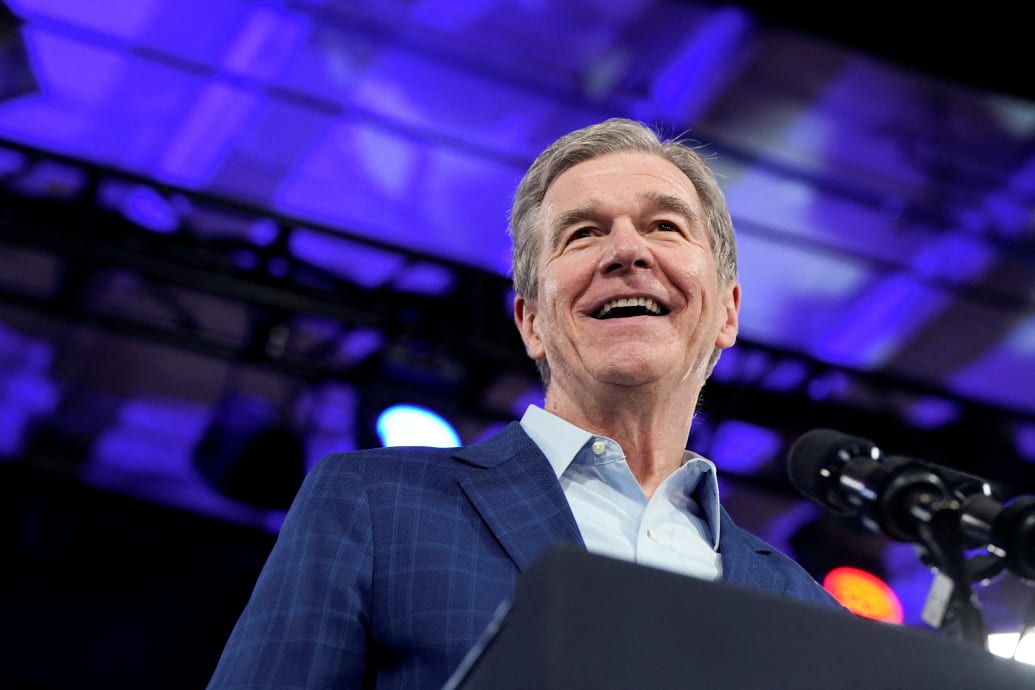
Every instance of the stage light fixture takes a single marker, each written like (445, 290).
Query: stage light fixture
(149, 209)
(1013, 645)
(407, 425)
(864, 594)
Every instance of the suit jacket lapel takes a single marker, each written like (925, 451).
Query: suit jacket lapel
(521, 501)
(743, 561)
(518, 495)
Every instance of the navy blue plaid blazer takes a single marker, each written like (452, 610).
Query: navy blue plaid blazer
(392, 561)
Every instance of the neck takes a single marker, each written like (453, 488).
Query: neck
(651, 429)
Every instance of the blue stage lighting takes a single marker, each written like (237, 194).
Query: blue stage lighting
(411, 425)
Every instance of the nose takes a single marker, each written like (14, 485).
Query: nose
(626, 248)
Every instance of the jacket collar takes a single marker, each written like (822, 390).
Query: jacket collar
(518, 496)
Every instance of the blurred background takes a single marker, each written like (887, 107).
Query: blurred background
(233, 233)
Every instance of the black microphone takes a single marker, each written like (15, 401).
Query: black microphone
(850, 477)
(1008, 530)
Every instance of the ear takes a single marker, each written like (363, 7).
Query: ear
(525, 319)
(728, 330)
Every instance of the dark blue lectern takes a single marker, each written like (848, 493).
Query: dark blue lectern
(584, 622)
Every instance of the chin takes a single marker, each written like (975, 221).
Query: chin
(630, 373)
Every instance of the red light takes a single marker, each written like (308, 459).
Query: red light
(864, 593)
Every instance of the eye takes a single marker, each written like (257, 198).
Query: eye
(580, 234)
(668, 226)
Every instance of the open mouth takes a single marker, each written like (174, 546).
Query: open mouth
(630, 306)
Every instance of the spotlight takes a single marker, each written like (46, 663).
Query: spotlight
(413, 425)
(410, 407)
(864, 593)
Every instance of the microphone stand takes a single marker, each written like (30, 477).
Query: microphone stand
(1027, 623)
(951, 605)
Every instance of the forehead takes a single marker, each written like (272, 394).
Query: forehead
(619, 177)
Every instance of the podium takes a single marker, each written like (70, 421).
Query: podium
(579, 621)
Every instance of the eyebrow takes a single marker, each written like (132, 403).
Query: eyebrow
(586, 212)
(568, 218)
(667, 202)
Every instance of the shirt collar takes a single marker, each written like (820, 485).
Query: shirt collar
(561, 441)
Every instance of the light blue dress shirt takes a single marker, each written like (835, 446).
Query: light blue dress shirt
(676, 530)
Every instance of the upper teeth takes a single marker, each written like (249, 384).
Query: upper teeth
(645, 302)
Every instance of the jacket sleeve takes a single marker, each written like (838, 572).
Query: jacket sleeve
(306, 623)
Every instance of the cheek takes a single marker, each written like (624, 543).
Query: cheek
(548, 284)
(694, 287)
(556, 301)
(551, 293)
(700, 280)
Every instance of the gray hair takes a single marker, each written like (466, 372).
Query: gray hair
(616, 135)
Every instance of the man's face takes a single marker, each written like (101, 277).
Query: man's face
(628, 288)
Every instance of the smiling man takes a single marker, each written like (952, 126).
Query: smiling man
(628, 306)
(392, 561)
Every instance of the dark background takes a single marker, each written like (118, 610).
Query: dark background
(232, 232)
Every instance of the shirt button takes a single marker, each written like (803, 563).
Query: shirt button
(598, 447)
(652, 535)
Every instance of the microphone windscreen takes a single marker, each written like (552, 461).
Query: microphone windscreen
(818, 450)
(807, 456)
